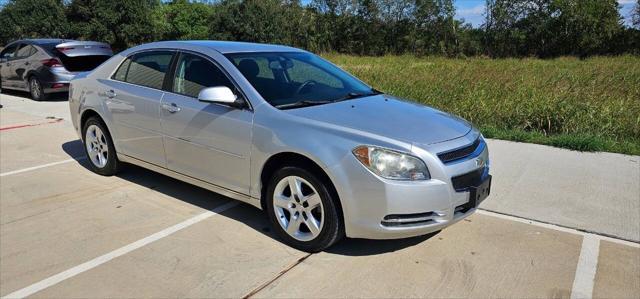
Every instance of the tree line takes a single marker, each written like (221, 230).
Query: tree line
(512, 28)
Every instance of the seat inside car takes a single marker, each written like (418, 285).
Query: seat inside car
(250, 69)
(198, 76)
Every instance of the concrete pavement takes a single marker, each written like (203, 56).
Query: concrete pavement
(595, 192)
(54, 218)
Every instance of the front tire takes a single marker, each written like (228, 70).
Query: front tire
(99, 148)
(36, 90)
(302, 210)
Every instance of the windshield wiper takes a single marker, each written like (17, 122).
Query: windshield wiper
(307, 103)
(375, 91)
(303, 103)
(355, 95)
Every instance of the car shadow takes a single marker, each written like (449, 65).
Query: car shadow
(244, 213)
(53, 97)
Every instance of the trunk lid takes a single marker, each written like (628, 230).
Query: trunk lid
(84, 48)
(80, 56)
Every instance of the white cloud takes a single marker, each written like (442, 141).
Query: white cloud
(475, 11)
(625, 2)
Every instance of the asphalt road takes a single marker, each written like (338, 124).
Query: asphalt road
(66, 232)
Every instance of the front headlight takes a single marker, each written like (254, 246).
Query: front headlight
(390, 164)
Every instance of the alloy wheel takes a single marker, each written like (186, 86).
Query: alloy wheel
(298, 208)
(97, 146)
(36, 89)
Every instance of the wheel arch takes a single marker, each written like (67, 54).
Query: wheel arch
(86, 114)
(29, 74)
(27, 79)
(283, 159)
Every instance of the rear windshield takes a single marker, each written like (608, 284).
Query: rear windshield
(82, 63)
(76, 63)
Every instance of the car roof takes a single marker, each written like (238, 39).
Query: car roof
(225, 47)
(38, 41)
(41, 41)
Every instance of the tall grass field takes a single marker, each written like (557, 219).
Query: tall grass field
(586, 105)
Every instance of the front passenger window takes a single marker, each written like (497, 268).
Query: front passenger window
(8, 53)
(194, 73)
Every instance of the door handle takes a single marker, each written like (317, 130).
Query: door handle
(173, 108)
(110, 93)
(8, 63)
(27, 63)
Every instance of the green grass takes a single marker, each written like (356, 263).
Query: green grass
(586, 105)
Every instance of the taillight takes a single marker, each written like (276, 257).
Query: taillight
(51, 62)
(62, 49)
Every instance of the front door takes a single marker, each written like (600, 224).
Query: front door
(210, 142)
(8, 57)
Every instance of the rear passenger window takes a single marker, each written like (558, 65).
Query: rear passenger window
(147, 69)
(25, 51)
(194, 73)
(121, 73)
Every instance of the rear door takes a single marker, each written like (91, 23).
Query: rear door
(133, 97)
(21, 65)
(210, 142)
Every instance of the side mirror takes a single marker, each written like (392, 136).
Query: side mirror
(220, 95)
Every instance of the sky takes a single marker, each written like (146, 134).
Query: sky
(472, 10)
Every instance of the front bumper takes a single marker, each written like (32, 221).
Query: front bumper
(377, 208)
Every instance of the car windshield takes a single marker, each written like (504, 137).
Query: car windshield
(294, 79)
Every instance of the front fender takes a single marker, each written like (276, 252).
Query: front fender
(327, 145)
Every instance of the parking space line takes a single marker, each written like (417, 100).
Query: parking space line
(57, 278)
(40, 166)
(586, 269)
(559, 228)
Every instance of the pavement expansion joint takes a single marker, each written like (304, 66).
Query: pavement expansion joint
(272, 280)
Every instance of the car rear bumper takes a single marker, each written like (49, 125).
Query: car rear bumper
(56, 87)
(377, 208)
(55, 79)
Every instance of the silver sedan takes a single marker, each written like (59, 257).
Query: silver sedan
(324, 154)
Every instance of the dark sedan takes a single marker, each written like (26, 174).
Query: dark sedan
(45, 66)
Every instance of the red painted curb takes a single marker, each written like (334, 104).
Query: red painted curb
(31, 125)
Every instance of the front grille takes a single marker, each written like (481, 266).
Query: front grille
(468, 180)
(460, 153)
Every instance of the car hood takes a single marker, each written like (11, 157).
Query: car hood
(391, 118)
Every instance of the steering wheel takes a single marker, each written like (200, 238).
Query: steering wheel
(305, 84)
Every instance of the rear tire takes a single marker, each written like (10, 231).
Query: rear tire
(36, 90)
(305, 217)
(99, 148)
